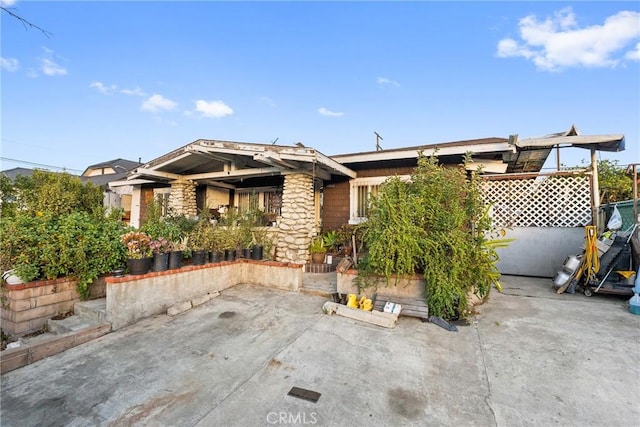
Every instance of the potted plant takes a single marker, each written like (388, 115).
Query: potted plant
(160, 248)
(197, 244)
(177, 249)
(139, 253)
(213, 244)
(318, 250)
(331, 241)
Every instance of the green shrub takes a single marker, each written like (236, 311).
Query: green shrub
(435, 223)
(55, 226)
(46, 246)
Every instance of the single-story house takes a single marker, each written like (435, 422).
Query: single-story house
(101, 174)
(302, 191)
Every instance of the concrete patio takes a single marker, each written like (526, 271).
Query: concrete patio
(529, 357)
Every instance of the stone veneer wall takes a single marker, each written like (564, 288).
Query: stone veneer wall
(297, 220)
(182, 199)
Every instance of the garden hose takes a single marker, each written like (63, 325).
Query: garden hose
(591, 262)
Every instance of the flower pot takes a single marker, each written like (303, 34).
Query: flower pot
(138, 266)
(230, 254)
(216, 256)
(199, 257)
(160, 261)
(257, 252)
(175, 260)
(318, 258)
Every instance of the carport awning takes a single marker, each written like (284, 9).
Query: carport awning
(610, 142)
(572, 138)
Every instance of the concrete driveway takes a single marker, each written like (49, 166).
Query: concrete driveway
(530, 357)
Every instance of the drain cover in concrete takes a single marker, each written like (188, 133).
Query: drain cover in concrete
(301, 393)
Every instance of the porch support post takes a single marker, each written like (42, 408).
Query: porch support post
(297, 222)
(182, 199)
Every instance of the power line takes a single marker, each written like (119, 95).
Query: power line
(39, 164)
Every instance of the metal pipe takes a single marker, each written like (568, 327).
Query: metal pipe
(595, 191)
(634, 177)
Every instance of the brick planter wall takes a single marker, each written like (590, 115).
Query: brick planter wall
(26, 307)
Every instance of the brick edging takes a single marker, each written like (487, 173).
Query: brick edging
(186, 268)
(28, 353)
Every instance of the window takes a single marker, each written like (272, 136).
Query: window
(268, 200)
(162, 195)
(248, 201)
(362, 189)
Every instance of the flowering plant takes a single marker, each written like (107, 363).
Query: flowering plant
(138, 244)
(160, 245)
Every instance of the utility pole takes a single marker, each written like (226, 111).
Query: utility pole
(378, 139)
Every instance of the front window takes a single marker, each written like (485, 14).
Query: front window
(362, 189)
(267, 200)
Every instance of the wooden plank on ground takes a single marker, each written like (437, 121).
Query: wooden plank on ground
(387, 320)
(411, 306)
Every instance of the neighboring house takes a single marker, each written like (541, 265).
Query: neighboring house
(101, 174)
(12, 174)
(302, 191)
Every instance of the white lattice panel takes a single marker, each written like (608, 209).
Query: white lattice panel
(546, 201)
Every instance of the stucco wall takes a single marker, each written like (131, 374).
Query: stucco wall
(132, 298)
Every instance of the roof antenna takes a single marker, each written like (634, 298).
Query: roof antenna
(378, 139)
(275, 140)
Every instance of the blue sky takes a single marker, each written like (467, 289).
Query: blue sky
(138, 79)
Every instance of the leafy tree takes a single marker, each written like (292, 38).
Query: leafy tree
(615, 184)
(53, 192)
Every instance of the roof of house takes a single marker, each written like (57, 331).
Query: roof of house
(228, 163)
(118, 165)
(13, 173)
(233, 164)
(122, 167)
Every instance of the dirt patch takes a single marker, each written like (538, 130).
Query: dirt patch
(227, 314)
(6, 339)
(61, 316)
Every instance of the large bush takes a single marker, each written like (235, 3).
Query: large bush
(437, 224)
(54, 225)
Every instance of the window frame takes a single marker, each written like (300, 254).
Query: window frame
(369, 182)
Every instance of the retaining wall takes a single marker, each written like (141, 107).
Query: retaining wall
(132, 298)
(412, 287)
(27, 306)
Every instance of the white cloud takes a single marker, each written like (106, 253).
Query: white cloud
(7, 3)
(9, 64)
(215, 109)
(326, 112)
(633, 54)
(137, 92)
(558, 42)
(108, 90)
(157, 103)
(100, 87)
(386, 81)
(50, 68)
